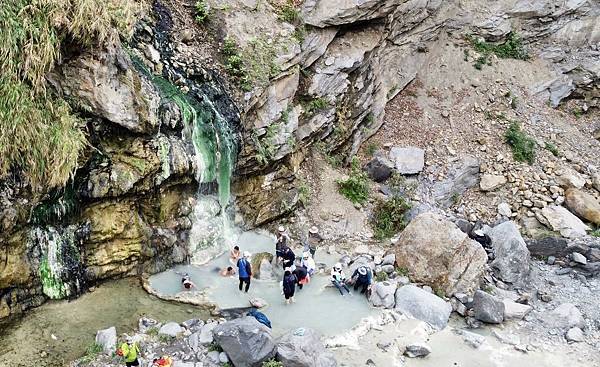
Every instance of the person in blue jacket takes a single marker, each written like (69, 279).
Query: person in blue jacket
(244, 271)
(363, 278)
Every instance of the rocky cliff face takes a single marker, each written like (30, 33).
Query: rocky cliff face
(161, 122)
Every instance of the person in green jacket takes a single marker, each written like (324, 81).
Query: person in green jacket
(129, 350)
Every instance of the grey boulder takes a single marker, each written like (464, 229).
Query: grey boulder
(417, 350)
(382, 294)
(247, 342)
(511, 256)
(171, 329)
(565, 316)
(487, 308)
(303, 348)
(422, 305)
(408, 161)
(107, 338)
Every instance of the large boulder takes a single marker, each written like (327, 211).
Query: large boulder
(382, 294)
(247, 342)
(257, 265)
(584, 205)
(487, 308)
(548, 246)
(565, 316)
(408, 160)
(561, 220)
(422, 305)
(171, 329)
(514, 310)
(303, 348)
(436, 252)
(511, 256)
(107, 338)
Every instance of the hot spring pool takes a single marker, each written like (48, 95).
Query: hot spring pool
(317, 306)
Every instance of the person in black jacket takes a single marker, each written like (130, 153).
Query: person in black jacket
(301, 275)
(288, 258)
(363, 277)
(289, 286)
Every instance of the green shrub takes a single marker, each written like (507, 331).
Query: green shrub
(272, 363)
(388, 216)
(91, 352)
(371, 149)
(523, 147)
(356, 187)
(164, 338)
(315, 105)
(153, 331)
(551, 148)
(402, 271)
(303, 193)
(512, 48)
(289, 13)
(381, 276)
(214, 347)
(595, 232)
(202, 11)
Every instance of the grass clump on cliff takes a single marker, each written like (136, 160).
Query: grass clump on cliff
(202, 11)
(388, 216)
(272, 363)
(512, 48)
(253, 65)
(356, 186)
(523, 147)
(39, 134)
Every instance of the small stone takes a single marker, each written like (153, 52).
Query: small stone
(417, 350)
(579, 258)
(551, 260)
(504, 209)
(575, 335)
(491, 182)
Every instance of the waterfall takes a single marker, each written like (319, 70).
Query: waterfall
(60, 268)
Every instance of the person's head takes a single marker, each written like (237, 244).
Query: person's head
(287, 271)
(281, 229)
(129, 339)
(306, 255)
(337, 267)
(362, 270)
(313, 230)
(237, 248)
(246, 254)
(229, 268)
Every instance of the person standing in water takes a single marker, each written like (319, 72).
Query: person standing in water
(283, 241)
(244, 271)
(313, 241)
(234, 255)
(288, 258)
(289, 285)
(338, 279)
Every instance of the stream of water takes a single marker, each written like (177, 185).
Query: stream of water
(317, 306)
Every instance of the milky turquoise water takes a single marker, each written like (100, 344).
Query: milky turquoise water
(317, 306)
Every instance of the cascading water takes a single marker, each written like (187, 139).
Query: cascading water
(60, 268)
